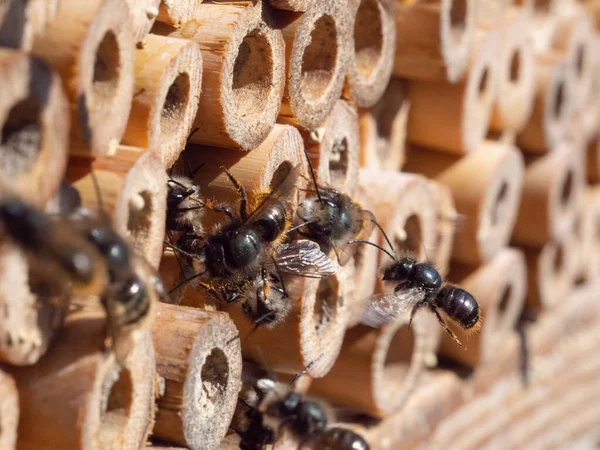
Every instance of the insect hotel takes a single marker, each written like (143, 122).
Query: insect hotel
(299, 224)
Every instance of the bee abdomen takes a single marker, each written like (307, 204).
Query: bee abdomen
(337, 438)
(459, 305)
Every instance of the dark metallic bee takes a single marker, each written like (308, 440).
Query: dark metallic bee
(185, 206)
(274, 407)
(420, 285)
(332, 219)
(89, 258)
(247, 252)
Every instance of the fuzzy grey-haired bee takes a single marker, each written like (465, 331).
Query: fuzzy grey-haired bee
(333, 219)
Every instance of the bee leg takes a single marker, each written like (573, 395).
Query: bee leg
(242, 193)
(415, 309)
(265, 283)
(446, 327)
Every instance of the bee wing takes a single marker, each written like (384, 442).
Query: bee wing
(304, 258)
(346, 250)
(283, 192)
(385, 308)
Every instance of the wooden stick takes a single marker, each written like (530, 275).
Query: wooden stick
(552, 189)
(553, 105)
(404, 206)
(292, 5)
(144, 13)
(434, 39)
(470, 99)
(499, 286)
(486, 186)
(21, 22)
(32, 316)
(243, 72)
(551, 271)
(517, 75)
(334, 149)
(101, 404)
(9, 411)
(200, 362)
(317, 52)
(133, 189)
(383, 129)
(373, 45)
(385, 363)
(168, 76)
(95, 63)
(34, 120)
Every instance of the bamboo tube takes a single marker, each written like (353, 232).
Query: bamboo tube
(21, 22)
(317, 52)
(575, 39)
(586, 119)
(243, 72)
(385, 362)
(486, 186)
(373, 45)
(95, 63)
(292, 5)
(168, 76)
(589, 244)
(143, 13)
(78, 397)
(434, 39)
(516, 76)
(313, 330)
(133, 189)
(200, 361)
(383, 129)
(405, 208)
(34, 127)
(31, 314)
(500, 286)
(334, 149)
(9, 412)
(470, 99)
(552, 108)
(551, 272)
(177, 12)
(552, 188)
(593, 161)
(491, 13)
(447, 218)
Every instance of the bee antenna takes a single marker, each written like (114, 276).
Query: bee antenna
(306, 369)
(197, 169)
(312, 174)
(385, 236)
(265, 361)
(362, 241)
(187, 141)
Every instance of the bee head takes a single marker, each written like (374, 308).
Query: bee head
(112, 247)
(399, 271)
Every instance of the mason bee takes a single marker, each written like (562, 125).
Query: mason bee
(274, 406)
(419, 285)
(245, 253)
(89, 258)
(332, 219)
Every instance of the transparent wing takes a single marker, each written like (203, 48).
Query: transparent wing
(385, 308)
(304, 258)
(282, 193)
